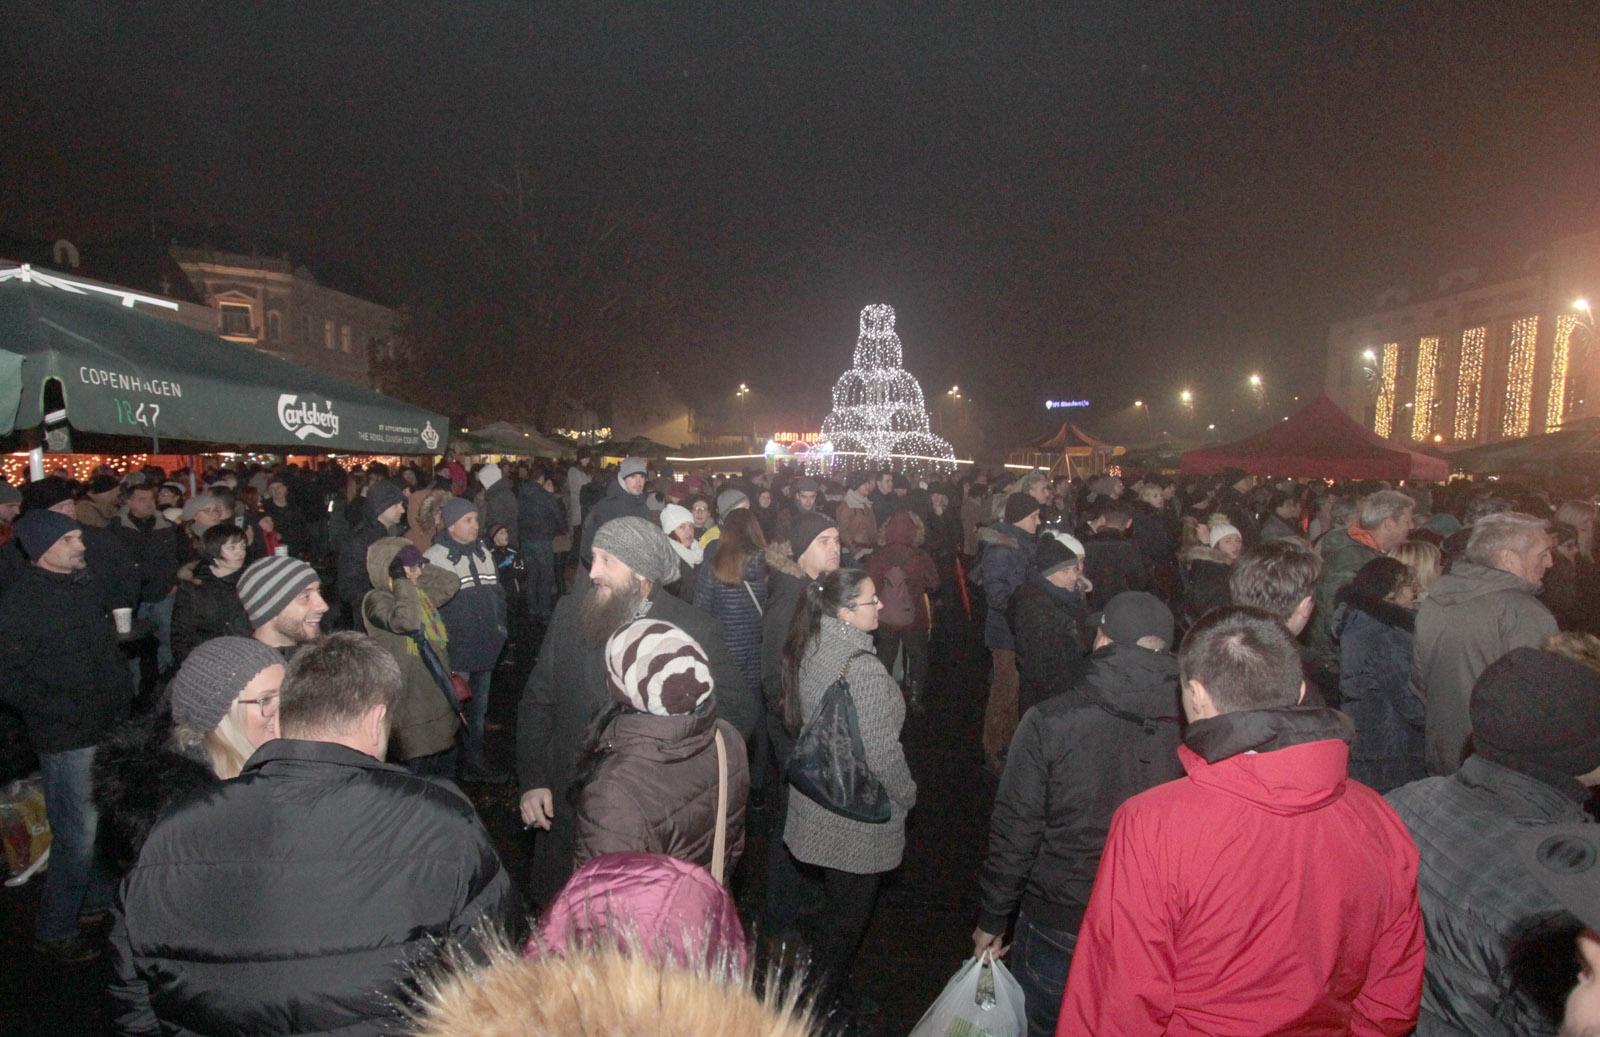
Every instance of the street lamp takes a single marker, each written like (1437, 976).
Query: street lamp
(1149, 423)
(740, 394)
(1186, 397)
(1258, 390)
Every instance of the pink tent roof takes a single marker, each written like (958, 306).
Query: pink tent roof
(1319, 441)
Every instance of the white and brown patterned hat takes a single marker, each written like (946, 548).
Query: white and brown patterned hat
(656, 667)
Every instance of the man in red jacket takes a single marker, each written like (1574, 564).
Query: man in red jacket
(1265, 892)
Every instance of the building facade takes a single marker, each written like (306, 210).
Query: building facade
(1477, 359)
(278, 308)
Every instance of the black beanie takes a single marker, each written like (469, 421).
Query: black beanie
(45, 493)
(1539, 713)
(1053, 555)
(1019, 506)
(806, 527)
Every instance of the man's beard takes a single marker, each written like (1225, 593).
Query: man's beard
(600, 616)
(295, 632)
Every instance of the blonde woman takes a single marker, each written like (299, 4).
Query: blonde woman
(224, 706)
(1580, 515)
(1425, 561)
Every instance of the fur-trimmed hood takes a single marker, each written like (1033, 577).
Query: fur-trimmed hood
(1202, 553)
(138, 776)
(994, 535)
(601, 992)
(780, 558)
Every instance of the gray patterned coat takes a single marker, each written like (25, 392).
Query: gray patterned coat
(816, 835)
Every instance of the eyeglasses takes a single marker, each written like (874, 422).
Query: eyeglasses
(870, 602)
(268, 703)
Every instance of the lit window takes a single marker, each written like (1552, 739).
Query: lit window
(344, 338)
(1556, 404)
(327, 334)
(274, 325)
(1469, 384)
(236, 319)
(1519, 377)
(1383, 419)
(1427, 374)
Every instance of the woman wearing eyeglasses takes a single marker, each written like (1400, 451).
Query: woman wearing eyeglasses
(224, 705)
(832, 636)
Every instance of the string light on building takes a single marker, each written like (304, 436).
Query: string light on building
(1427, 378)
(1469, 384)
(1519, 378)
(878, 407)
(1383, 422)
(1555, 409)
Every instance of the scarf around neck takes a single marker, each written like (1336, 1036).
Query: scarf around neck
(456, 550)
(694, 554)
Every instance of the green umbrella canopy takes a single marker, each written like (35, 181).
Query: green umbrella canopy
(125, 372)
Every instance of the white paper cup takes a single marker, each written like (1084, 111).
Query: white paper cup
(282, 550)
(124, 620)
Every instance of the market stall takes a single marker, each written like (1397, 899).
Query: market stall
(93, 360)
(1320, 441)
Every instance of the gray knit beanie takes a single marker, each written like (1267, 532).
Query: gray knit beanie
(213, 675)
(270, 584)
(641, 546)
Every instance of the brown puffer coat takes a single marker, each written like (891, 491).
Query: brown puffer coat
(656, 789)
(424, 518)
(424, 721)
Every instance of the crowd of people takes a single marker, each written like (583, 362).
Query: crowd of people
(1271, 756)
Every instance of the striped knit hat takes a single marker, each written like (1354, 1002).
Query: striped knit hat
(270, 584)
(656, 667)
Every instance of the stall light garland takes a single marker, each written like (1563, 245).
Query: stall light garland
(1555, 409)
(1519, 378)
(1469, 384)
(79, 466)
(878, 408)
(1383, 421)
(1427, 378)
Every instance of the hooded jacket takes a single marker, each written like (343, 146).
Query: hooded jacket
(1375, 644)
(209, 607)
(1073, 762)
(1263, 893)
(655, 790)
(565, 692)
(425, 517)
(618, 503)
(500, 508)
(1004, 561)
(476, 613)
(1472, 616)
(1044, 623)
(300, 897)
(138, 777)
(1477, 894)
(425, 720)
(858, 525)
(900, 537)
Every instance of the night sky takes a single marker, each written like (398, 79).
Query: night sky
(1067, 200)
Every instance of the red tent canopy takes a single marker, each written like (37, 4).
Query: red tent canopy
(1320, 441)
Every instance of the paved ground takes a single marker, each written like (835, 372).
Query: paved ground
(918, 937)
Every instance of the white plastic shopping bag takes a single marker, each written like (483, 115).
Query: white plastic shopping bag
(982, 1000)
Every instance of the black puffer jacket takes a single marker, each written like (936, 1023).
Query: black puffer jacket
(1113, 565)
(138, 777)
(206, 609)
(59, 662)
(1073, 761)
(1044, 620)
(299, 897)
(618, 503)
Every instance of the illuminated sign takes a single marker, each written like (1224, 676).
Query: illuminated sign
(797, 437)
(1062, 404)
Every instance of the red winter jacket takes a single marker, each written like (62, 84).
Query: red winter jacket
(1263, 894)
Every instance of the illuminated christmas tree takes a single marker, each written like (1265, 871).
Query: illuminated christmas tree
(879, 419)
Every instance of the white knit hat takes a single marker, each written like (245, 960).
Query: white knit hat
(656, 667)
(1223, 529)
(673, 516)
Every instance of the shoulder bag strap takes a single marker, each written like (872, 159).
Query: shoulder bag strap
(719, 842)
(751, 591)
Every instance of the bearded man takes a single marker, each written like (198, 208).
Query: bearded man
(566, 691)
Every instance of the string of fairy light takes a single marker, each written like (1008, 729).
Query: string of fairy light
(878, 408)
(1427, 377)
(1555, 411)
(1383, 422)
(1516, 418)
(1469, 384)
